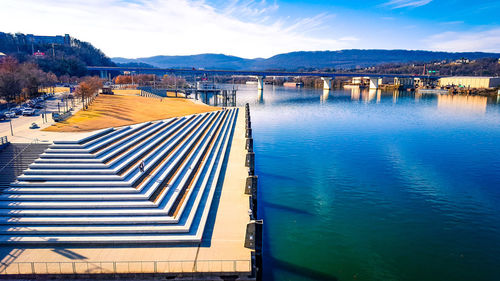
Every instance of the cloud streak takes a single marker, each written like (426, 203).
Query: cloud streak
(170, 27)
(469, 41)
(397, 4)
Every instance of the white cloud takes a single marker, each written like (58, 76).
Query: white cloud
(349, 38)
(469, 41)
(249, 8)
(169, 27)
(396, 4)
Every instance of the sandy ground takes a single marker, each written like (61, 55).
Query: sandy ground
(125, 108)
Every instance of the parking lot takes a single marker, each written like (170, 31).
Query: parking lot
(21, 124)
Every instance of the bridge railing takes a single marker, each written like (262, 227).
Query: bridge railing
(126, 267)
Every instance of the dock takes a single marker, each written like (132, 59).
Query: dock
(208, 94)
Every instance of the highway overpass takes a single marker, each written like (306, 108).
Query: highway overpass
(259, 75)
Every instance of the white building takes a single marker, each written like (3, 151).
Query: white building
(470, 82)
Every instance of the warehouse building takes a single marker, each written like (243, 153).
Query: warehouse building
(470, 82)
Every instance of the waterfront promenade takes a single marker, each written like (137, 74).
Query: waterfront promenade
(49, 242)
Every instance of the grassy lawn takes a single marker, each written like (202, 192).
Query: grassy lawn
(125, 109)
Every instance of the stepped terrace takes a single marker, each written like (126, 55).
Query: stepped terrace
(157, 197)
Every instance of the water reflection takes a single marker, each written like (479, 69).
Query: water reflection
(395, 96)
(324, 96)
(418, 96)
(260, 96)
(369, 95)
(462, 104)
(355, 93)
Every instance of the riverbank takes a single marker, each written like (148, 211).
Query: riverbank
(125, 109)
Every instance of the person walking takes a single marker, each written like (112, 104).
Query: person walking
(141, 166)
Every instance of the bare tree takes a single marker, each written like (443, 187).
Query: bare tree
(87, 89)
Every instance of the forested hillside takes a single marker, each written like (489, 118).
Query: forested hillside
(341, 60)
(61, 59)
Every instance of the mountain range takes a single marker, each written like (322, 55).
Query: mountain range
(343, 59)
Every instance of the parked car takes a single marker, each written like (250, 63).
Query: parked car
(28, 111)
(2, 116)
(17, 110)
(38, 106)
(10, 114)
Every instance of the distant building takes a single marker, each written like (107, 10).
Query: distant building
(39, 54)
(58, 39)
(405, 82)
(461, 61)
(356, 80)
(470, 82)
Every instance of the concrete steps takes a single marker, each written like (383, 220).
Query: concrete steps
(57, 201)
(15, 158)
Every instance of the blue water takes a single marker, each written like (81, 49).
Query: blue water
(360, 185)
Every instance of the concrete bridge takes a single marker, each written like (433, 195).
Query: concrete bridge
(327, 77)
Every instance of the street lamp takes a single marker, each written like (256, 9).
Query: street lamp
(11, 130)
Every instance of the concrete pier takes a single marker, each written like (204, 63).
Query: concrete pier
(374, 82)
(327, 83)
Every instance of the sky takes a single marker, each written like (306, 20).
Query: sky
(251, 28)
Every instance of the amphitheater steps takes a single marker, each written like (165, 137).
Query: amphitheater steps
(91, 191)
(15, 158)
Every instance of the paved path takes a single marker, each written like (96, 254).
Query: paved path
(21, 124)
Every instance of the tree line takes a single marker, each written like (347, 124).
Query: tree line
(168, 81)
(20, 81)
(87, 90)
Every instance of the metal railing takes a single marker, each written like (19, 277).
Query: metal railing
(126, 267)
(35, 141)
(3, 141)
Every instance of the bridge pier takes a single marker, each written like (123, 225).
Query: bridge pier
(327, 83)
(374, 82)
(260, 82)
(104, 74)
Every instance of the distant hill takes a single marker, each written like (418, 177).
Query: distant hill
(213, 61)
(135, 64)
(61, 55)
(343, 59)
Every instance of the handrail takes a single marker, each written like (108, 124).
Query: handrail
(4, 141)
(126, 267)
(35, 141)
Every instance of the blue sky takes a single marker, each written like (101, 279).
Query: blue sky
(252, 28)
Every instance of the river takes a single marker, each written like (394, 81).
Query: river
(367, 185)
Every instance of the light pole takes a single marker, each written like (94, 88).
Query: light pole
(11, 130)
